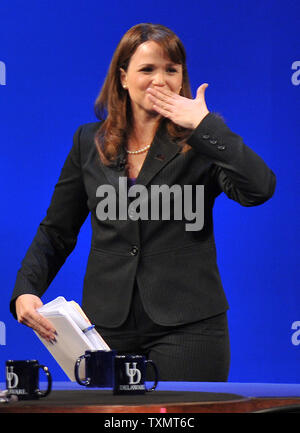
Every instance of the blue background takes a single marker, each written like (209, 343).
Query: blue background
(56, 56)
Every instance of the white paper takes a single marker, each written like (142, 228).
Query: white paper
(71, 342)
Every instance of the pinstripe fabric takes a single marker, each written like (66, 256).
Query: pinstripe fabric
(196, 351)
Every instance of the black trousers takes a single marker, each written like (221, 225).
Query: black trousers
(196, 351)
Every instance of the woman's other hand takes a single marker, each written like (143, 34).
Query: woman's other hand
(26, 306)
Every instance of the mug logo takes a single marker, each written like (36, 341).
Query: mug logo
(12, 378)
(132, 372)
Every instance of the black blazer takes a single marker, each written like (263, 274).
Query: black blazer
(176, 269)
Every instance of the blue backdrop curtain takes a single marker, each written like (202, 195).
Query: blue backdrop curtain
(53, 59)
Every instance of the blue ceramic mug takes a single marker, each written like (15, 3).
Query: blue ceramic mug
(99, 368)
(22, 379)
(130, 374)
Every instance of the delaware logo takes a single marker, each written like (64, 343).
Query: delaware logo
(12, 378)
(133, 373)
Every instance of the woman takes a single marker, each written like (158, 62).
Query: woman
(152, 285)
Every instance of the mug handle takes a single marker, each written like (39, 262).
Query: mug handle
(86, 381)
(49, 378)
(150, 362)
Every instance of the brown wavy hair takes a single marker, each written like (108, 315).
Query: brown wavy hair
(113, 102)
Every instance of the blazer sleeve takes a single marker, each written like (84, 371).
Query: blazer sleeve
(57, 234)
(239, 172)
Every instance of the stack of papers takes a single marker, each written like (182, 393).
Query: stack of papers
(75, 334)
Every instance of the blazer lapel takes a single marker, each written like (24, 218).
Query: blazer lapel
(161, 152)
(115, 170)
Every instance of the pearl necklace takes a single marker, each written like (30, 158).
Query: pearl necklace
(134, 152)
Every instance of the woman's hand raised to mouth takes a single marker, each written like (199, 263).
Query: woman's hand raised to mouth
(185, 112)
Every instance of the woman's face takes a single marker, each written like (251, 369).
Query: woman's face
(149, 67)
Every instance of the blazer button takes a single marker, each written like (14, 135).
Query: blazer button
(213, 141)
(206, 136)
(221, 147)
(134, 250)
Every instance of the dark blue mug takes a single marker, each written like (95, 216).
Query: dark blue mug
(22, 379)
(99, 368)
(130, 374)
